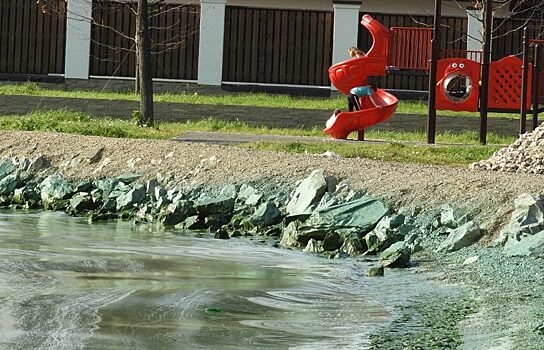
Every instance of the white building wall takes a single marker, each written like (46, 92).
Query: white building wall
(78, 39)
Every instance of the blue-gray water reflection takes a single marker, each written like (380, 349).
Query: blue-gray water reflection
(65, 284)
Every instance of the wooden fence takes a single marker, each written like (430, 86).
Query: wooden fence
(32, 40)
(508, 36)
(277, 46)
(174, 36)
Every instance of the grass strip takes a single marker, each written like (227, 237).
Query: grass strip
(456, 156)
(461, 150)
(233, 99)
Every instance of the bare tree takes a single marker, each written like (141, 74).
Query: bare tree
(143, 46)
(524, 12)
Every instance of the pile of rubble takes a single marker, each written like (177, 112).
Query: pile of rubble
(526, 155)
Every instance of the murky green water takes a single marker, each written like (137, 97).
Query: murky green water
(65, 284)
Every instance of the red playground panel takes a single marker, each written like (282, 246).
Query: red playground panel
(505, 84)
(410, 48)
(457, 87)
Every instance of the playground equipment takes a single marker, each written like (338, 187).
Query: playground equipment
(504, 86)
(459, 80)
(351, 73)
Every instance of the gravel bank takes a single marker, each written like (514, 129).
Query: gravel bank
(488, 195)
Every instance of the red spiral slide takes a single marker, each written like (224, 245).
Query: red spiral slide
(354, 72)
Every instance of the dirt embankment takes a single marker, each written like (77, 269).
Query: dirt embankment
(488, 195)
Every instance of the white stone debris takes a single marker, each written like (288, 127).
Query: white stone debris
(525, 155)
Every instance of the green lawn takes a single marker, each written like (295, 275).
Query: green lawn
(454, 149)
(240, 99)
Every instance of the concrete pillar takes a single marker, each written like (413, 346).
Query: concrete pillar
(78, 39)
(475, 32)
(210, 52)
(346, 27)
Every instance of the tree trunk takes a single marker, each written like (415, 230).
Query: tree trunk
(144, 65)
(137, 69)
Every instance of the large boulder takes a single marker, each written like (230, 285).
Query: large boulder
(177, 212)
(461, 237)
(386, 232)
(214, 205)
(266, 214)
(131, 199)
(55, 188)
(528, 246)
(527, 219)
(307, 193)
(7, 166)
(296, 235)
(362, 214)
(9, 183)
(353, 245)
(314, 246)
(398, 255)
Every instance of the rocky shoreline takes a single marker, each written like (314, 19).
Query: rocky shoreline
(421, 217)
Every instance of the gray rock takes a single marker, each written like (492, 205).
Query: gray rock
(177, 213)
(293, 236)
(128, 178)
(37, 164)
(84, 186)
(375, 271)
(314, 246)
(253, 199)
(193, 223)
(362, 214)
(150, 187)
(461, 237)
(106, 186)
(332, 241)
(27, 195)
(398, 255)
(82, 202)
(94, 155)
(230, 191)
(7, 166)
(352, 245)
(527, 219)
(307, 193)
(55, 188)
(9, 183)
(267, 214)
(528, 246)
(131, 199)
(218, 205)
(221, 233)
(160, 194)
(389, 230)
(245, 192)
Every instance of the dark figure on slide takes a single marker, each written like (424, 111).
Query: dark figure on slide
(361, 91)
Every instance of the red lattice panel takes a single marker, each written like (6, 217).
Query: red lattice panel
(505, 84)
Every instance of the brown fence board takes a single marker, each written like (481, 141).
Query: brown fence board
(508, 36)
(278, 46)
(174, 35)
(27, 45)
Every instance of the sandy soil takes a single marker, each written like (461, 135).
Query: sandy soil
(488, 195)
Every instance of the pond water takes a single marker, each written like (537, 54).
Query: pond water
(65, 284)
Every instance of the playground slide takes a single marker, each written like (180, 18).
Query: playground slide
(354, 72)
(341, 125)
